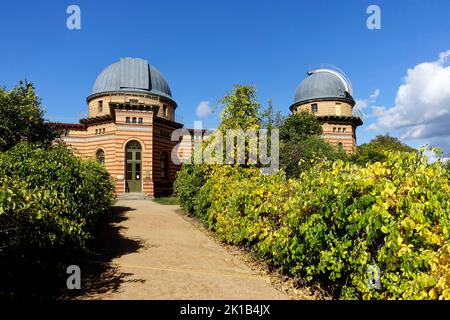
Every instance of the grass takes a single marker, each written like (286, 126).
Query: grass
(166, 200)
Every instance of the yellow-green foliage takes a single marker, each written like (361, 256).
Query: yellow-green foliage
(50, 204)
(338, 218)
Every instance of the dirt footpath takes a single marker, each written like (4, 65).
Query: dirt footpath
(161, 255)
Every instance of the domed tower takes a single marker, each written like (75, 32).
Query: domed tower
(133, 81)
(131, 117)
(327, 94)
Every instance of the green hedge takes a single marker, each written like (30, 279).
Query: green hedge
(189, 181)
(50, 204)
(338, 219)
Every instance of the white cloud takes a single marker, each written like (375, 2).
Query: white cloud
(361, 104)
(364, 103)
(372, 127)
(374, 95)
(422, 104)
(378, 110)
(204, 109)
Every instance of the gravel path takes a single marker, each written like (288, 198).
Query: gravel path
(158, 254)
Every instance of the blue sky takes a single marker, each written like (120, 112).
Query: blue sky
(203, 47)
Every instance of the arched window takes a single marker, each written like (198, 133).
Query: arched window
(164, 165)
(100, 156)
(340, 146)
(165, 111)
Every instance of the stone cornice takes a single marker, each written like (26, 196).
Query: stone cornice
(98, 120)
(167, 122)
(357, 121)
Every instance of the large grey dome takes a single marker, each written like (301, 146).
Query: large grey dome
(324, 84)
(131, 75)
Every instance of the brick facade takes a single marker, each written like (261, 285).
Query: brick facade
(121, 118)
(338, 123)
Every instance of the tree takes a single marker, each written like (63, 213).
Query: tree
(298, 156)
(22, 117)
(241, 114)
(302, 146)
(241, 110)
(271, 119)
(374, 151)
(299, 126)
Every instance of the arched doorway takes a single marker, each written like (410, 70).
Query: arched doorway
(133, 167)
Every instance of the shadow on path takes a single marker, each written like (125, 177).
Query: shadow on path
(99, 275)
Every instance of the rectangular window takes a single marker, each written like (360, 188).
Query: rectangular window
(100, 106)
(127, 120)
(314, 107)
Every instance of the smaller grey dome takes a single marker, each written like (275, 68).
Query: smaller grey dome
(132, 75)
(323, 84)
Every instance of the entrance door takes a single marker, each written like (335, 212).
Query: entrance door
(133, 154)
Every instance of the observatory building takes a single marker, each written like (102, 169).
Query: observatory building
(131, 117)
(328, 94)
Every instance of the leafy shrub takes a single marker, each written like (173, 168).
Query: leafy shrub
(374, 151)
(187, 184)
(202, 200)
(50, 203)
(338, 218)
(302, 146)
(240, 212)
(296, 157)
(447, 166)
